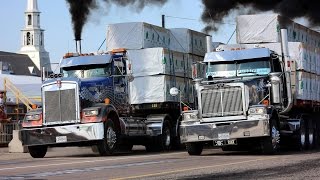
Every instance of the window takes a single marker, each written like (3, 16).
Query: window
(29, 19)
(28, 38)
(41, 38)
(88, 71)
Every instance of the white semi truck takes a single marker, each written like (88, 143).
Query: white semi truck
(253, 99)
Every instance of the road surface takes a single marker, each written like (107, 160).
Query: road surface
(81, 163)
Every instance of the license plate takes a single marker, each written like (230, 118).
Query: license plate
(223, 136)
(61, 139)
(231, 142)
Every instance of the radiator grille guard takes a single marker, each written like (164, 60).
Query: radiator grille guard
(60, 106)
(223, 101)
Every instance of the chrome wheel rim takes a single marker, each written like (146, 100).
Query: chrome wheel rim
(111, 137)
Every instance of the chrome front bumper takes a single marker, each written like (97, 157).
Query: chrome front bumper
(62, 134)
(196, 131)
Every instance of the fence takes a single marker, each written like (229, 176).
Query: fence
(6, 131)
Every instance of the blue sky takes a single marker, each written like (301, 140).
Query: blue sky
(56, 21)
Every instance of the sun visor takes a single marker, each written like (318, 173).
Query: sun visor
(85, 60)
(237, 55)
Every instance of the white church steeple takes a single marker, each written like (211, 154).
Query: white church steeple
(33, 37)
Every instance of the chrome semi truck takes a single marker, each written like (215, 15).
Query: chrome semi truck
(248, 100)
(88, 104)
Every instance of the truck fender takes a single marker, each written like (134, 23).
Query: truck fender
(273, 114)
(109, 111)
(154, 124)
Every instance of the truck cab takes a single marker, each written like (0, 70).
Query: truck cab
(80, 106)
(88, 104)
(238, 100)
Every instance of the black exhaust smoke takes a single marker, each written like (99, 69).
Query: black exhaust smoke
(215, 10)
(81, 9)
(137, 4)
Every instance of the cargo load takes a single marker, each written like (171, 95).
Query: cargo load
(265, 28)
(156, 89)
(136, 35)
(155, 61)
(140, 35)
(188, 41)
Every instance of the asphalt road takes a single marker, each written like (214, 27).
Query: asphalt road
(82, 163)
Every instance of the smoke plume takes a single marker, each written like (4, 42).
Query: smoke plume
(216, 10)
(138, 4)
(81, 9)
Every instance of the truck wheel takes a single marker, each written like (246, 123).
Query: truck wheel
(37, 151)
(163, 141)
(194, 149)
(108, 145)
(166, 137)
(311, 137)
(271, 144)
(301, 136)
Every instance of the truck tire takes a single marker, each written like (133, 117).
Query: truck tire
(311, 136)
(271, 144)
(194, 149)
(301, 138)
(37, 151)
(110, 142)
(166, 137)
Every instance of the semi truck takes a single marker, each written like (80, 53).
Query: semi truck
(89, 104)
(248, 99)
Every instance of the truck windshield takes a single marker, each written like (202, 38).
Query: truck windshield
(88, 71)
(248, 67)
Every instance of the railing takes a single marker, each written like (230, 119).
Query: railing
(18, 94)
(6, 131)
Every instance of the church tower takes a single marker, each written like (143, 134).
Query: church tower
(33, 38)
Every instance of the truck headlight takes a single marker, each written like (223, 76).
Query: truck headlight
(91, 112)
(33, 117)
(190, 116)
(91, 115)
(257, 110)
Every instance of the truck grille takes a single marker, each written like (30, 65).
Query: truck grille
(225, 101)
(60, 106)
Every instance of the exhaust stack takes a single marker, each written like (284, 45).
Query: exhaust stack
(209, 43)
(285, 55)
(78, 46)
